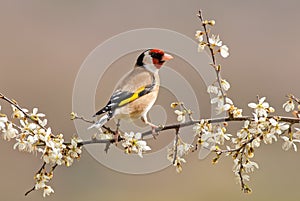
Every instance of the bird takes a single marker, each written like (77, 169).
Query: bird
(137, 92)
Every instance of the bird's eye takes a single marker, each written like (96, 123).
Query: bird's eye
(156, 55)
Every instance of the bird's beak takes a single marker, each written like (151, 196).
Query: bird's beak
(167, 57)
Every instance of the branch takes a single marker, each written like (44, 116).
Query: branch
(207, 38)
(14, 103)
(176, 145)
(177, 126)
(38, 172)
(75, 116)
(216, 67)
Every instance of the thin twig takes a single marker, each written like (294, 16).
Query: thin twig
(241, 147)
(291, 96)
(207, 38)
(217, 68)
(38, 172)
(176, 145)
(189, 112)
(14, 103)
(82, 118)
(241, 169)
(29, 191)
(92, 122)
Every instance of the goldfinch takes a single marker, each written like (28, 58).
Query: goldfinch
(137, 92)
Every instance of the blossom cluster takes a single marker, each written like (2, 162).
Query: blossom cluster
(260, 127)
(133, 143)
(294, 135)
(214, 42)
(177, 152)
(29, 131)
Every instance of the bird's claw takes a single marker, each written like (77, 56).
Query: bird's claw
(155, 130)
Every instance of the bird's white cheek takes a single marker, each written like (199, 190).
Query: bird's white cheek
(147, 60)
(158, 66)
(151, 67)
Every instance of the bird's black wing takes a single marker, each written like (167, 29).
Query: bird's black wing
(121, 98)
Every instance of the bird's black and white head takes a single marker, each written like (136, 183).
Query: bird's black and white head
(153, 59)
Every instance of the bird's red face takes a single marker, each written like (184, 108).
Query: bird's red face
(153, 57)
(159, 57)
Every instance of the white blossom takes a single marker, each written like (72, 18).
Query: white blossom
(17, 113)
(47, 191)
(250, 166)
(28, 128)
(269, 137)
(224, 51)
(41, 179)
(3, 121)
(214, 40)
(236, 112)
(278, 127)
(211, 89)
(221, 135)
(289, 106)
(244, 131)
(46, 137)
(246, 177)
(43, 122)
(10, 132)
(36, 114)
(260, 108)
(296, 134)
(133, 143)
(219, 100)
(199, 35)
(31, 143)
(225, 85)
(53, 156)
(183, 149)
(288, 143)
(180, 115)
(178, 164)
(256, 142)
(202, 126)
(236, 165)
(20, 144)
(74, 150)
(104, 136)
(201, 46)
(68, 160)
(222, 108)
(208, 140)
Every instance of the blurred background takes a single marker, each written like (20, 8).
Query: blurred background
(43, 44)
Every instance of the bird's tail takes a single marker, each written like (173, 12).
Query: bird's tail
(100, 122)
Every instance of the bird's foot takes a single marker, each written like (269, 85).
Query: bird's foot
(155, 130)
(116, 137)
(154, 133)
(117, 133)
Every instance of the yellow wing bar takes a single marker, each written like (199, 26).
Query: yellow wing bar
(133, 97)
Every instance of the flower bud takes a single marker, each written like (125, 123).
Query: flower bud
(205, 22)
(211, 22)
(174, 104)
